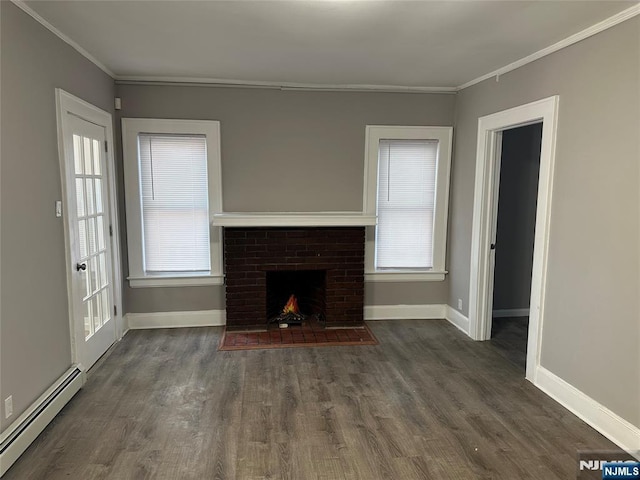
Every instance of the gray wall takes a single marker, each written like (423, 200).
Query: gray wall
(591, 324)
(35, 340)
(520, 165)
(286, 151)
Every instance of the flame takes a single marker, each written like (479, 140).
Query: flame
(291, 306)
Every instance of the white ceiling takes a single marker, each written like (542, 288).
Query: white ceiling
(384, 43)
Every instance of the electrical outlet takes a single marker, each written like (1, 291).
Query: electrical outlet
(8, 406)
(459, 304)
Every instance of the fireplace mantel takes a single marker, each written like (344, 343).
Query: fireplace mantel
(291, 219)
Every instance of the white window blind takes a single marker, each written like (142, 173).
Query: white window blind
(174, 203)
(406, 201)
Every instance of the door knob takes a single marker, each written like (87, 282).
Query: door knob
(81, 266)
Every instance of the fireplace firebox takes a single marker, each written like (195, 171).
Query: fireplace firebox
(307, 288)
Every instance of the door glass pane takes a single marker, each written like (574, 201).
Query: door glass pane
(103, 270)
(96, 157)
(98, 195)
(88, 160)
(100, 224)
(97, 312)
(106, 310)
(77, 154)
(80, 197)
(90, 202)
(88, 323)
(82, 233)
(92, 236)
(93, 272)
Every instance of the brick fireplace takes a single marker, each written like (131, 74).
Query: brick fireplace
(323, 266)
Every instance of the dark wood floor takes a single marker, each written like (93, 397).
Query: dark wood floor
(509, 337)
(427, 403)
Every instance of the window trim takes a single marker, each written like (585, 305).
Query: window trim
(131, 128)
(444, 135)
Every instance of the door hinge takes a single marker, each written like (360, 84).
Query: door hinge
(115, 311)
(106, 146)
(111, 230)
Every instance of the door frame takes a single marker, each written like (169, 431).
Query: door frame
(493, 232)
(67, 103)
(490, 129)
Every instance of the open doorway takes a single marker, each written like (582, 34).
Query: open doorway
(519, 168)
(490, 131)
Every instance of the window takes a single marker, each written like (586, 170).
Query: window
(407, 187)
(173, 188)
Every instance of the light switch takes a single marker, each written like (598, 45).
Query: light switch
(58, 208)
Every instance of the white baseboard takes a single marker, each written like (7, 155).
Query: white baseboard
(26, 428)
(612, 426)
(458, 319)
(197, 318)
(404, 312)
(511, 312)
(213, 318)
(125, 324)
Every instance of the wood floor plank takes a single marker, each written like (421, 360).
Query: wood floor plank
(426, 403)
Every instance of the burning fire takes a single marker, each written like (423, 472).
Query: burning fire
(291, 306)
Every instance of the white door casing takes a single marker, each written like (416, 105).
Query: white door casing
(497, 154)
(481, 281)
(91, 239)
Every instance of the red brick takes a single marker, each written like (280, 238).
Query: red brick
(251, 252)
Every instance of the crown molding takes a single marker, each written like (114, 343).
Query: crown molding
(575, 38)
(29, 11)
(284, 86)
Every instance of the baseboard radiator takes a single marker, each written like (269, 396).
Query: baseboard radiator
(21, 433)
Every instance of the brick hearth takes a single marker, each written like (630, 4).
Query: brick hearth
(252, 252)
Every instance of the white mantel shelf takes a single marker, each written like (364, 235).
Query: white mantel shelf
(286, 219)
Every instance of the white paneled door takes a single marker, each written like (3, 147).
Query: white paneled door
(89, 238)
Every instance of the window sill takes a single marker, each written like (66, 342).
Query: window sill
(175, 281)
(405, 276)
